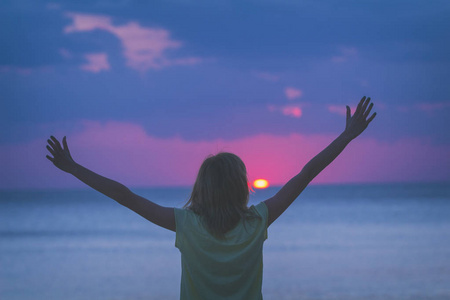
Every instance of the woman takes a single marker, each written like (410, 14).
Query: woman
(219, 237)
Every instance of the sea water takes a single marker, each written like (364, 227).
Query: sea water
(384, 241)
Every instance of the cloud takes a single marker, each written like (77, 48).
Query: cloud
(96, 62)
(431, 107)
(292, 93)
(125, 152)
(340, 109)
(294, 111)
(267, 76)
(143, 47)
(428, 108)
(345, 54)
(337, 109)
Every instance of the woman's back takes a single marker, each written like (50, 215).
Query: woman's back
(228, 267)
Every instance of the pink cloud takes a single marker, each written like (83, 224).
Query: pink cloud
(292, 93)
(144, 48)
(87, 22)
(292, 110)
(96, 62)
(340, 109)
(125, 152)
(287, 110)
(431, 107)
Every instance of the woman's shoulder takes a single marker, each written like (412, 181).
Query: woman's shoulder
(185, 212)
(260, 209)
(186, 217)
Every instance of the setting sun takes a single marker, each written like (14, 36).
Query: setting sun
(260, 183)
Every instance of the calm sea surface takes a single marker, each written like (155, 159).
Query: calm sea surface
(335, 242)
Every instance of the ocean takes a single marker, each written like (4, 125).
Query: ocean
(370, 241)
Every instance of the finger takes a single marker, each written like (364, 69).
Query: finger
(358, 108)
(368, 110)
(57, 144)
(65, 144)
(371, 118)
(349, 113)
(49, 158)
(50, 142)
(364, 107)
(51, 150)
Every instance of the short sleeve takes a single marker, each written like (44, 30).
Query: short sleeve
(263, 212)
(180, 219)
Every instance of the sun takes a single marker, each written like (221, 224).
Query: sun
(260, 183)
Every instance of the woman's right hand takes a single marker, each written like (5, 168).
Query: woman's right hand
(61, 156)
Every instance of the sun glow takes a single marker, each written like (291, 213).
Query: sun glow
(260, 183)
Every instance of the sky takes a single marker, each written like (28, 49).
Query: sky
(146, 90)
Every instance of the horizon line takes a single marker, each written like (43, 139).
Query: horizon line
(83, 188)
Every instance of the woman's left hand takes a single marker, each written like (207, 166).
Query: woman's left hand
(357, 123)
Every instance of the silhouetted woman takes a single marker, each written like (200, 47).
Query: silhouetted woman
(220, 238)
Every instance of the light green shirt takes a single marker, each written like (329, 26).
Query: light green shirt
(213, 268)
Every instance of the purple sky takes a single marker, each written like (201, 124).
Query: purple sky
(145, 90)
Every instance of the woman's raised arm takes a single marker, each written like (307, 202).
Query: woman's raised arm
(62, 159)
(355, 125)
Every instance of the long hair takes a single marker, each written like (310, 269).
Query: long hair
(220, 193)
